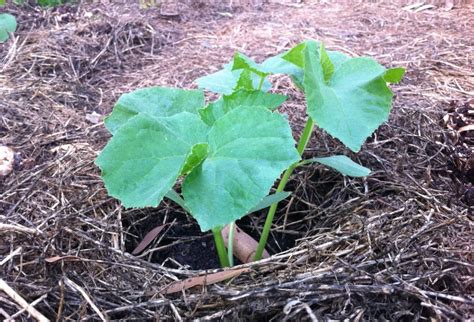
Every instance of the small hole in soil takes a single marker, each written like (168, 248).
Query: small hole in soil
(184, 244)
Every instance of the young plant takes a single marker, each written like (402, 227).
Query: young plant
(229, 153)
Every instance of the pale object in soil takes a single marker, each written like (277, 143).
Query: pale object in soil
(203, 280)
(93, 117)
(244, 246)
(7, 157)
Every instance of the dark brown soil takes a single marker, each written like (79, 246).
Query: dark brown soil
(395, 246)
(183, 244)
(182, 241)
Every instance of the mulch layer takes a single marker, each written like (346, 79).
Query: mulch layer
(396, 245)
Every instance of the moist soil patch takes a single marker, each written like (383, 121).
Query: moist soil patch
(182, 244)
(396, 245)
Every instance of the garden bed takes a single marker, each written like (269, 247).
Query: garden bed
(396, 245)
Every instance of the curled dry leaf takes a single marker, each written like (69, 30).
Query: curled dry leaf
(148, 239)
(244, 246)
(207, 279)
(7, 157)
(469, 127)
(55, 259)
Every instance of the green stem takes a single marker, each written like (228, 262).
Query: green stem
(230, 244)
(220, 246)
(262, 79)
(304, 139)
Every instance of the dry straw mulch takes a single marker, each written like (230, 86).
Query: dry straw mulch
(397, 245)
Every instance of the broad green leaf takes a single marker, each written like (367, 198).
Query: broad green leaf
(2, 2)
(198, 154)
(394, 75)
(7, 24)
(249, 147)
(222, 82)
(353, 103)
(143, 159)
(337, 58)
(226, 103)
(270, 200)
(342, 164)
(264, 203)
(346, 96)
(153, 101)
(254, 98)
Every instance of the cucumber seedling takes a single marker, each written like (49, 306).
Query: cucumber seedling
(227, 154)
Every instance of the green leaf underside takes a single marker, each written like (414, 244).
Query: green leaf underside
(295, 55)
(270, 200)
(243, 62)
(142, 161)
(219, 108)
(245, 80)
(154, 101)
(326, 64)
(289, 63)
(343, 164)
(174, 196)
(394, 75)
(251, 154)
(7, 24)
(355, 100)
(213, 111)
(198, 154)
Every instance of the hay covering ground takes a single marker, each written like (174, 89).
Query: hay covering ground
(397, 245)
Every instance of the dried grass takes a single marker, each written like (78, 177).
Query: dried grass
(397, 245)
